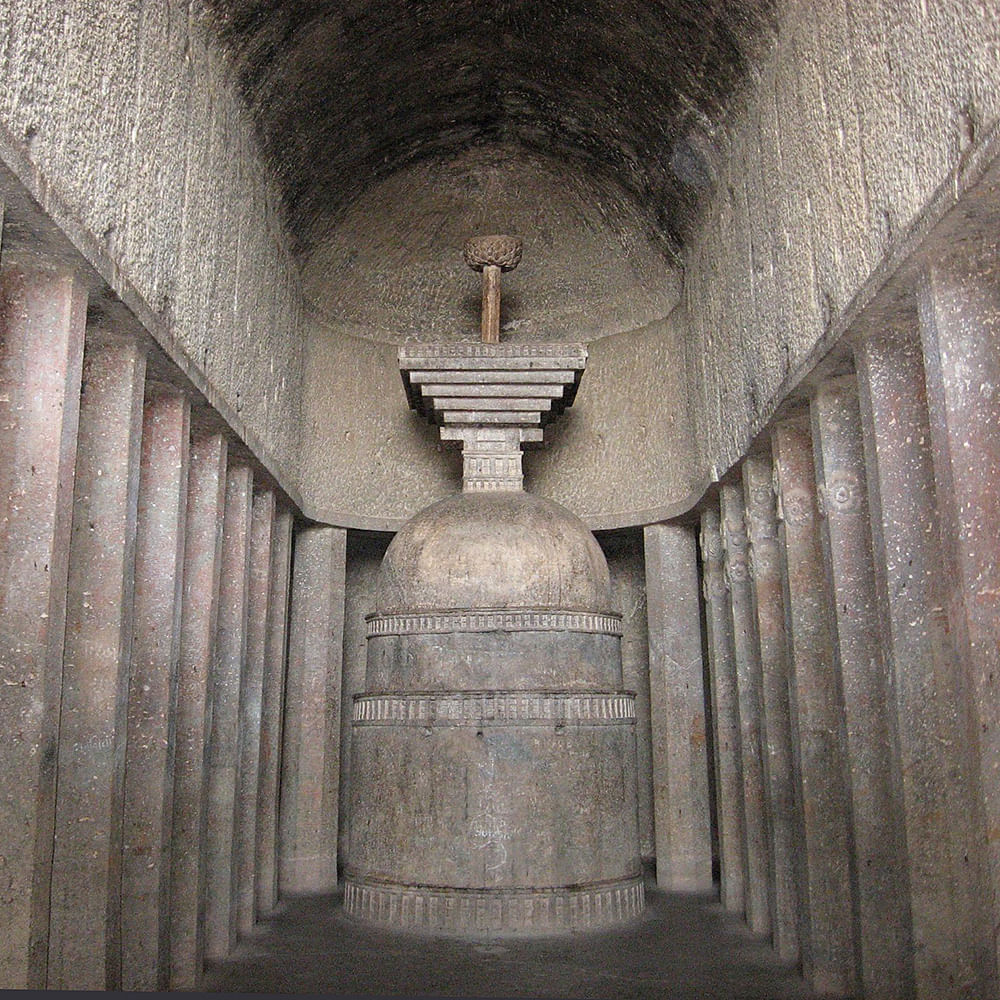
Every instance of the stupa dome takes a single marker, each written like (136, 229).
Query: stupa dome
(503, 550)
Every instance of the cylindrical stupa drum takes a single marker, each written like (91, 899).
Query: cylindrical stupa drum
(493, 765)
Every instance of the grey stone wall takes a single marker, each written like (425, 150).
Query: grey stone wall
(132, 120)
(621, 455)
(854, 120)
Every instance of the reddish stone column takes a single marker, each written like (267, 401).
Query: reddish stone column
(42, 320)
(199, 616)
(222, 751)
(749, 685)
(934, 715)
(959, 305)
(149, 777)
(681, 808)
(251, 695)
(272, 705)
(883, 938)
(776, 733)
(725, 714)
(311, 755)
(826, 929)
(85, 919)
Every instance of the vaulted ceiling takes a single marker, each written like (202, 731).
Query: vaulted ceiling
(626, 95)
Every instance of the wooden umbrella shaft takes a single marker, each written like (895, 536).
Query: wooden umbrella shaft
(491, 304)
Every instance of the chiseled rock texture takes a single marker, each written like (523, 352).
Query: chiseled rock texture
(493, 755)
(129, 112)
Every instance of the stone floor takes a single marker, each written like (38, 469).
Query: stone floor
(683, 948)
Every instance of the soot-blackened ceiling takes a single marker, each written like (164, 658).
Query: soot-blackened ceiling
(348, 92)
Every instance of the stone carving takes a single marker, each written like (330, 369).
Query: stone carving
(495, 707)
(491, 255)
(493, 753)
(489, 621)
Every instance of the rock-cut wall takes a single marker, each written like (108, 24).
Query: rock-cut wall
(131, 118)
(860, 112)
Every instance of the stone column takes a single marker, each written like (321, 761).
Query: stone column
(959, 306)
(311, 755)
(272, 705)
(222, 752)
(251, 695)
(42, 320)
(681, 820)
(883, 937)
(749, 685)
(725, 713)
(776, 734)
(199, 616)
(149, 777)
(826, 929)
(85, 920)
(934, 716)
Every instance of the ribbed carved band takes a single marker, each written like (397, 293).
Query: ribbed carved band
(498, 708)
(492, 910)
(494, 621)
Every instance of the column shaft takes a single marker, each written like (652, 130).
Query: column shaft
(681, 820)
(725, 714)
(311, 753)
(222, 756)
(42, 320)
(149, 775)
(824, 844)
(251, 695)
(749, 685)
(880, 893)
(272, 706)
(199, 615)
(952, 946)
(959, 308)
(776, 735)
(85, 920)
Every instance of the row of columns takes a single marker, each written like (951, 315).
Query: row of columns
(146, 593)
(851, 585)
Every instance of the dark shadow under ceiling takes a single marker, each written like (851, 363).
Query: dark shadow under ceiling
(347, 92)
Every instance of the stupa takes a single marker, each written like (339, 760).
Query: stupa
(493, 751)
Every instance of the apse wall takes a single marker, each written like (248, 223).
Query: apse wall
(622, 455)
(841, 139)
(123, 121)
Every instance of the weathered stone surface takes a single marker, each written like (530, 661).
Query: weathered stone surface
(823, 848)
(883, 937)
(149, 750)
(677, 710)
(42, 317)
(820, 180)
(199, 617)
(223, 745)
(272, 705)
(85, 943)
(255, 664)
(776, 733)
(310, 763)
(624, 551)
(542, 558)
(959, 304)
(749, 684)
(930, 699)
(365, 552)
(144, 154)
(725, 714)
(479, 789)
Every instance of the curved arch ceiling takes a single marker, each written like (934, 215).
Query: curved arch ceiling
(348, 94)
